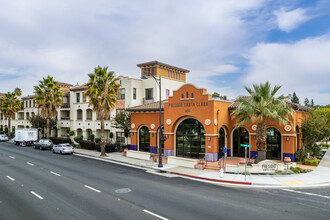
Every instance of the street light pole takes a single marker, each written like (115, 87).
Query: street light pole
(159, 82)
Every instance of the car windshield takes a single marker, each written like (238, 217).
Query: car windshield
(66, 145)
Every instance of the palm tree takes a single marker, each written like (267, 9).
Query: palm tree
(262, 105)
(48, 97)
(102, 91)
(10, 104)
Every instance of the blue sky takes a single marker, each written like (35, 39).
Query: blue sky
(226, 45)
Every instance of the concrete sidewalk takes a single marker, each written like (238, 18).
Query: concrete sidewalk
(320, 177)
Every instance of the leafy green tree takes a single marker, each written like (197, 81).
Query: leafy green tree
(48, 97)
(41, 123)
(122, 121)
(306, 102)
(294, 98)
(9, 105)
(312, 103)
(315, 127)
(259, 107)
(102, 91)
(215, 95)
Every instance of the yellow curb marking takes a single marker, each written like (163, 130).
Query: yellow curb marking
(292, 182)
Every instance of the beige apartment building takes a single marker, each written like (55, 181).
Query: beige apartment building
(77, 115)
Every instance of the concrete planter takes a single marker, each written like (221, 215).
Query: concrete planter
(138, 154)
(184, 162)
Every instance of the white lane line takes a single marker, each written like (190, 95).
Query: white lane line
(12, 157)
(151, 213)
(306, 193)
(35, 194)
(12, 179)
(96, 190)
(31, 164)
(55, 173)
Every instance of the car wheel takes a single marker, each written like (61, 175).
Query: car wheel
(53, 151)
(40, 148)
(61, 152)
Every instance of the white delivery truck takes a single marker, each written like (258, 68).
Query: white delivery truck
(25, 136)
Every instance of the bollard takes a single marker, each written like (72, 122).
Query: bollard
(221, 173)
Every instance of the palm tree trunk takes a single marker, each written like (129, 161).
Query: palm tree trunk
(48, 127)
(261, 134)
(9, 127)
(102, 139)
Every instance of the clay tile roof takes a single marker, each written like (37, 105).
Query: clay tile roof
(154, 106)
(155, 62)
(295, 106)
(64, 84)
(78, 88)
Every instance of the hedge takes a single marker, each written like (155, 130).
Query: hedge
(60, 140)
(89, 145)
(108, 147)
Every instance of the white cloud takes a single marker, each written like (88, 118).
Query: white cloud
(289, 20)
(302, 67)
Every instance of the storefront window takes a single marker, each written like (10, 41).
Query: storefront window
(190, 139)
(273, 144)
(144, 139)
(240, 136)
(222, 141)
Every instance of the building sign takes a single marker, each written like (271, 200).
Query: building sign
(187, 104)
(268, 167)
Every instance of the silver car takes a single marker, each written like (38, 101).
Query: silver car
(3, 137)
(43, 144)
(63, 149)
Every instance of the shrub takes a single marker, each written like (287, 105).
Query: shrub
(97, 140)
(301, 154)
(91, 137)
(68, 130)
(315, 162)
(71, 133)
(98, 147)
(60, 140)
(315, 150)
(78, 138)
(2, 132)
(308, 162)
(89, 145)
(324, 145)
(110, 148)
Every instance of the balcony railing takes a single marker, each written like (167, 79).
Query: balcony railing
(148, 100)
(65, 118)
(65, 105)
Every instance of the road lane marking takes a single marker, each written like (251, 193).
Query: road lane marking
(12, 157)
(31, 164)
(35, 194)
(12, 179)
(96, 190)
(151, 213)
(307, 193)
(55, 173)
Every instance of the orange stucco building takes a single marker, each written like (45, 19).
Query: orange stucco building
(197, 126)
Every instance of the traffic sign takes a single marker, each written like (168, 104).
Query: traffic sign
(246, 145)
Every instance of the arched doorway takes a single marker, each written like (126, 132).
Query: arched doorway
(273, 144)
(222, 141)
(240, 136)
(144, 139)
(190, 139)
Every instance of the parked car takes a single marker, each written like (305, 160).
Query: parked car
(63, 149)
(3, 137)
(43, 144)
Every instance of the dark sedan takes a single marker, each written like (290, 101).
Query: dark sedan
(43, 144)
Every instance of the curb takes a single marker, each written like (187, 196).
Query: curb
(214, 180)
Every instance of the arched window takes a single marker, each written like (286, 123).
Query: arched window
(222, 141)
(190, 139)
(79, 114)
(187, 95)
(192, 95)
(182, 96)
(273, 144)
(144, 139)
(89, 114)
(240, 136)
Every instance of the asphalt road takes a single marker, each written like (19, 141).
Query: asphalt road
(38, 184)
